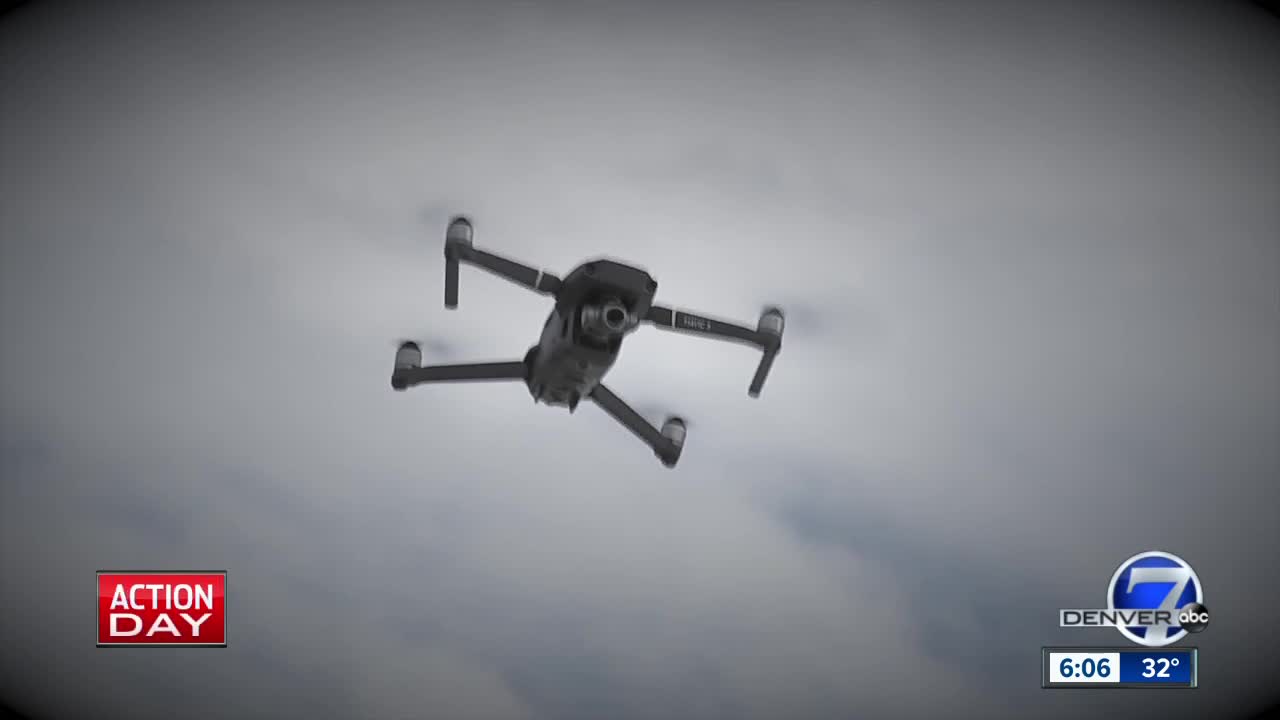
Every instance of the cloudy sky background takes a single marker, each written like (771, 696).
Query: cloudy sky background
(1031, 259)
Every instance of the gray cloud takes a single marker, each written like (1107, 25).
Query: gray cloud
(1030, 265)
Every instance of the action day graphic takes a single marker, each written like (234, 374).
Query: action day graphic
(162, 608)
(1155, 598)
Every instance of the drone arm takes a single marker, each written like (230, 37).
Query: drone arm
(666, 444)
(767, 336)
(408, 372)
(518, 273)
(459, 249)
(623, 413)
(682, 321)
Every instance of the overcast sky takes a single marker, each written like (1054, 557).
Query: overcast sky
(1030, 254)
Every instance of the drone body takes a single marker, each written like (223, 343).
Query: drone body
(597, 305)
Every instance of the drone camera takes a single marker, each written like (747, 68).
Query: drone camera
(615, 317)
(607, 318)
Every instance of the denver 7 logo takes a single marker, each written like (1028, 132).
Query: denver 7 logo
(1154, 581)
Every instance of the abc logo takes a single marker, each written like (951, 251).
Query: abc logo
(1194, 618)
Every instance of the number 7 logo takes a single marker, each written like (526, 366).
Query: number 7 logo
(1179, 576)
(1153, 568)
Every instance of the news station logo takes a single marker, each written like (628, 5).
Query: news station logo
(162, 608)
(1154, 599)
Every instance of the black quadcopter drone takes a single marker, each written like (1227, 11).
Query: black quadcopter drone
(597, 305)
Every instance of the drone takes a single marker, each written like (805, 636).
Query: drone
(597, 305)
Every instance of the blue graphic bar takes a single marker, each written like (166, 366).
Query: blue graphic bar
(1151, 667)
(1125, 667)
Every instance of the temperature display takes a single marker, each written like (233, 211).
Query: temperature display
(1119, 667)
(1156, 667)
